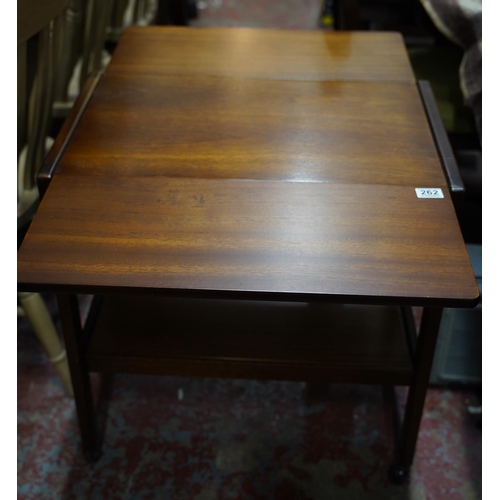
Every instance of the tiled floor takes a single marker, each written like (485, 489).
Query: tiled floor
(182, 438)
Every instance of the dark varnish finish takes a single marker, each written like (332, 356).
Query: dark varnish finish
(345, 242)
(222, 127)
(263, 54)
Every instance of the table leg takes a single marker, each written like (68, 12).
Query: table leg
(73, 336)
(424, 354)
(174, 12)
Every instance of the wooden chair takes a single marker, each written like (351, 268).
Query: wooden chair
(81, 38)
(57, 41)
(35, 72)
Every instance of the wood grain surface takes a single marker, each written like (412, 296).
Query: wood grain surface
(263, 53)
(221, 127)
(342, 242)
(146, 197)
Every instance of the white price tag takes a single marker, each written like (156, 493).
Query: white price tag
(429, 193)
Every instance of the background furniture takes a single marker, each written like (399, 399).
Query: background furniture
(35, 76)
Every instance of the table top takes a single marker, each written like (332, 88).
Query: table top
(221, 127)
(252, 163)
(257, 104)
(350, 242)
(263, 53)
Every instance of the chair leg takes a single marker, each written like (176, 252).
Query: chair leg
(37, 314)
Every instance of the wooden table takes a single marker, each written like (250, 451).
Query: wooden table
(243, 203)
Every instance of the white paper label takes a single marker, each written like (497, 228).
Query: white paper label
(429, 193)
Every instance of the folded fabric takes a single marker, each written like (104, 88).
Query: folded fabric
(461, 22)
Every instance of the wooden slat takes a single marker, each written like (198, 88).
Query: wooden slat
(51, 161)
(444, 148)
(257, 53)
(294, 341)
(339, 241)
(209, 127)
(33, 16)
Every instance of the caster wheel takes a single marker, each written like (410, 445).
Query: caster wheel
(93, 456)
(398, 474)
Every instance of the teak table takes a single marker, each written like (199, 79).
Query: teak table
(244, 203)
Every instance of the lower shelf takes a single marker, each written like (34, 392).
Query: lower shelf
(250, 339)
